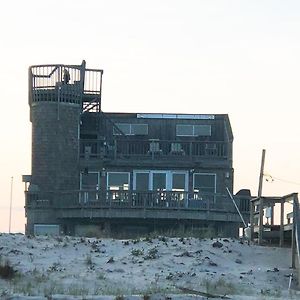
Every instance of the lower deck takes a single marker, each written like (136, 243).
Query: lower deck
(144, 211)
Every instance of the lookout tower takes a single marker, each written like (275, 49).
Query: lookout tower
(58, 96)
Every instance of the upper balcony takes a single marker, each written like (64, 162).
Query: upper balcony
(145, 150)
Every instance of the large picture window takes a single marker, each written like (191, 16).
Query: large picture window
(118, 181)
(205, 183)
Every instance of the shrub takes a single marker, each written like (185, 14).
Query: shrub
(7, 271)
(137, 252)
(152, 254)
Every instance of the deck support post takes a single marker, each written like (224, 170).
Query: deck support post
(251, 221)
(281, 237)
(293, 240)
(107, 229)
(272, 215)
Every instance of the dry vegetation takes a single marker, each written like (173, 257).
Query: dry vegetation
(151, 266)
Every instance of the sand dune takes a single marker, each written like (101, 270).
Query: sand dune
(151, 268)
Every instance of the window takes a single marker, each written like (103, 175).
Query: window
(184, 130)
(142, 181)
(204, 183)
(139, 129)
(178, 182)
(118, 181)
(125, 128)
(159, 181)
(200, 130)
(46, 229)
(90, 181)
(131, 129)
(193, 130)
(89, 184)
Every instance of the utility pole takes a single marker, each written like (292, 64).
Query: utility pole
(261, 208)
(10, 206)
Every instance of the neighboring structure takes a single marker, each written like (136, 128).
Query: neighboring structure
(122, 173)
(271, 231)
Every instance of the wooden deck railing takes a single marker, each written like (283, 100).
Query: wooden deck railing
(153, 149)
(130, 199)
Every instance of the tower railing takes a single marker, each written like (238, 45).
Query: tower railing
(66, 83)
(55, 83)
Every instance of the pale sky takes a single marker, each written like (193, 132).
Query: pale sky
(175, 56)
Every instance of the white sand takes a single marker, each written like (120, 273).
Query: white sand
(80, 267)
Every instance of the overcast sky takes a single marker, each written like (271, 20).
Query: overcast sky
(202, 57)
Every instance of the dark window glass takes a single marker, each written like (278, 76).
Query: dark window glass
(159, 181)
(200, 130)
(178, 182)
(89, 181)
(142, 181)
(118, 181)
(184, 130)
(204, 183)
(139, 129)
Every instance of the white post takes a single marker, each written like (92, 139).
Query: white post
(236, 207)
(261, 204)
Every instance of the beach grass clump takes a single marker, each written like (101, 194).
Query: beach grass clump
(137, 252)
(219, 286)
(6, 270)
(152, 254)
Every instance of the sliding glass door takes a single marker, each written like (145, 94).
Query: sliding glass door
(161, 187)
(157, 180)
